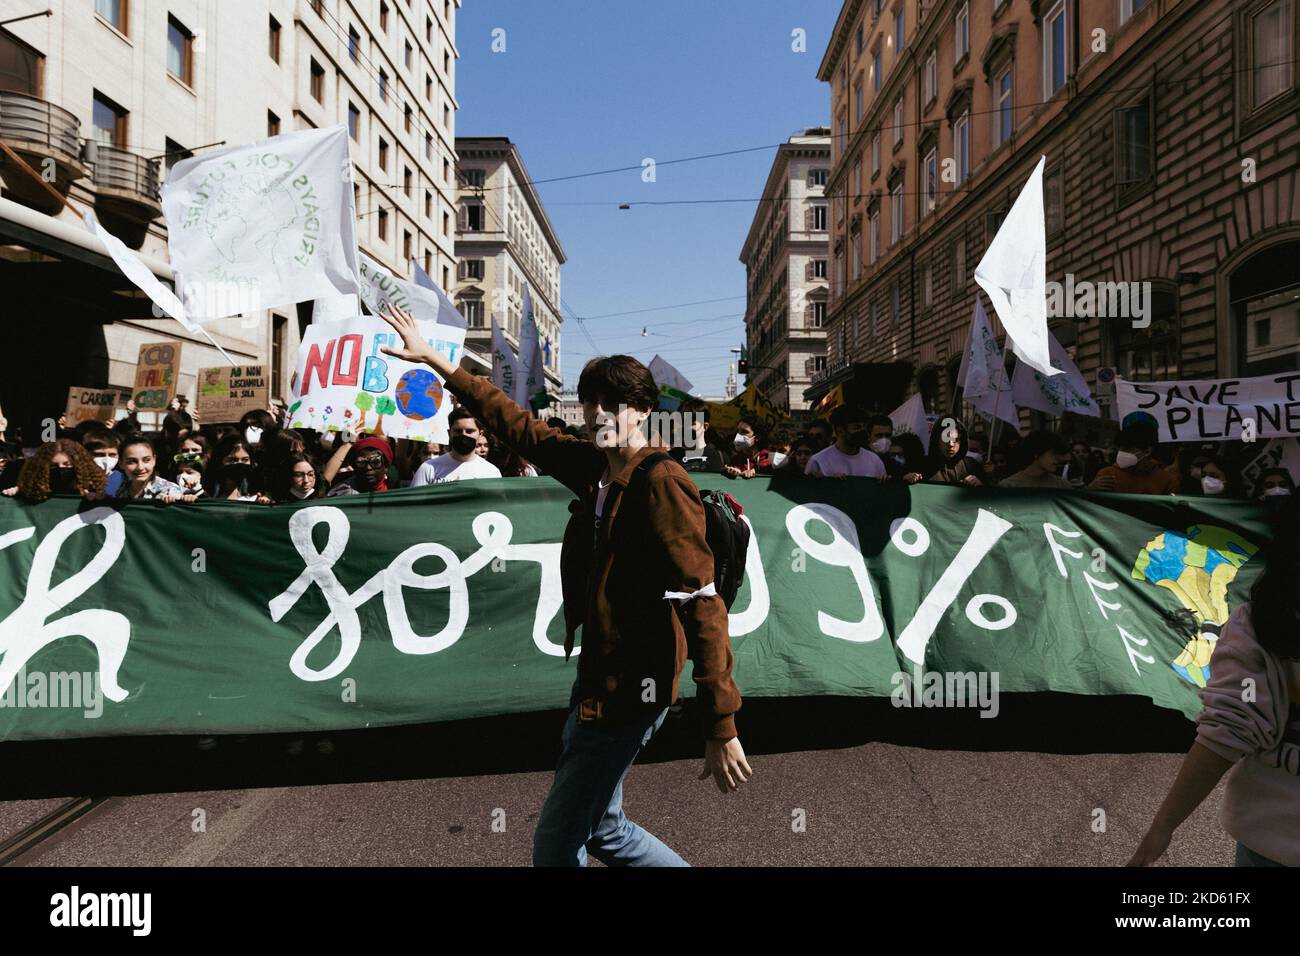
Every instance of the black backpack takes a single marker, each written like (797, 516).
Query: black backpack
(726, 534)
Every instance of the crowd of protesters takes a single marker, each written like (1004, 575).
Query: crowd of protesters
(260, 460)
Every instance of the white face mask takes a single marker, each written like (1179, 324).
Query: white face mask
(744, 441)
(778, 459)
(1211, 485)
(187, 479)
(252, 434)
(1126, 459)
(881, 445)
(106, 464)
(1273, 492)
(300, 493)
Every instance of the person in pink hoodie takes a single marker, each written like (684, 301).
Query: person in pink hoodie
(1249, 726)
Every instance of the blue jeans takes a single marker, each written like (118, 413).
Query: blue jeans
(1248, 857)
(583, 812)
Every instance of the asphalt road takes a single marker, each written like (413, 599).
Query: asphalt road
(874, 786)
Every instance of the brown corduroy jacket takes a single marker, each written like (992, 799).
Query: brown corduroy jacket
(651, 543)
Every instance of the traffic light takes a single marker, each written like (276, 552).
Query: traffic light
(742, 364)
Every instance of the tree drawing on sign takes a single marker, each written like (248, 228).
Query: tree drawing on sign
(383, 406)
(365, 401)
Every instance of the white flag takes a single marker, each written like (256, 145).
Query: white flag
(378, 287)
(674, 387)
(1053, 394)
(911, 417)
(268, 224)
(983, 374)
(134, 269)
(531, 369)
(1014, 274)
(331, 308)
(505, 364)
(448, 314)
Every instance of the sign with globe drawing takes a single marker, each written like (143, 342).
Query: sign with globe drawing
(343, 378)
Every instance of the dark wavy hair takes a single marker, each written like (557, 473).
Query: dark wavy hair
(1274, 598)
(34, 479)
(279, 477)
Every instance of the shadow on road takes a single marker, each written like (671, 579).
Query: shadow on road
(1050, 723)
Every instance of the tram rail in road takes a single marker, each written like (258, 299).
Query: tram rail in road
(13, 848)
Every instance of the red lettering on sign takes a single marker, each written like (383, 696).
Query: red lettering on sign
(319, 364)
(351, 376)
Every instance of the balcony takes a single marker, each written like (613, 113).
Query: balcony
(128, 190)
(46, 137)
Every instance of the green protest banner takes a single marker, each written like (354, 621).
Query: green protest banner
(443, 602)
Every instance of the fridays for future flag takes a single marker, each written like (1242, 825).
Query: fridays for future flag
(1014, 274)
(1053, 394)
(983, 375)
(274, 221)
(674, 388)
(532, 381)
(910, 417)
(448, 314)
(505, 364)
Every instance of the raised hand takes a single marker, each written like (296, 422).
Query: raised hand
(415, 348)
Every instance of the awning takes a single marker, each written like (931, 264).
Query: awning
(64, 240)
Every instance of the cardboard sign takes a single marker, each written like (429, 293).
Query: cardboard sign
(91, 404)
(753, 402)
(226, 393)
(343, 378)
(157, 372)
(1267, 406)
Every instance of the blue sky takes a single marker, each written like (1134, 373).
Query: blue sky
(586, 86)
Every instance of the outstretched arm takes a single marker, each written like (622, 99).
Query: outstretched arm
(1200, 773)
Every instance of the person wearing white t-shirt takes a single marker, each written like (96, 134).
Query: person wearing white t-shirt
(847, 457)
(460, 462)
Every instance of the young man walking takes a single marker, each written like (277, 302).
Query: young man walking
(637, 577)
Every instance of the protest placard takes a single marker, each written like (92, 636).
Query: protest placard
(344, 379)
(226, 393)
(91, 404)
(1266, 406)
(157, 371)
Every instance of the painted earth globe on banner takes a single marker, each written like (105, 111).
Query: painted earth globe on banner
(419, 394)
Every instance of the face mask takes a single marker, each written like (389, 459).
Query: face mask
(1126, 459)
(1211, 485)
(975, 457)
(237, 472)
(744, 441)
(106, 464)
(1279, 490)
(463, 444)
(252, 434)
(188, 479)
(63, 480)
(778, 459)
(300, 493)
(881, 445)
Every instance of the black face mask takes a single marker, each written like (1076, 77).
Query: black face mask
(857, 439)
(236, 473)
(463, 444)
(63, 480)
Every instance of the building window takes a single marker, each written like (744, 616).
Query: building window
(428, 263)
(896, 213)
(857, 103)
(174, 153)
(354, 45)
(855, 257)
(962, 32)
(930, 197)
(180, 51)
(875, 319)
(272, 124)
(898, 121)
(895, 305)
(383, 86)
(1150, 354)
(818, 177)
(354, 123)
(428, 29)
(898, 31)
(317, 82)
(428, 146)
(383, 154)
(856, 185)
(273, 40)
(959, 266)
(428, 204)
(1271, 51)
(446, 116)
(109, 121)
(992, 223)
(114, 11)
(1133, 143)
(1053, 202)
(406, 117)
(931, 76)
(1002, 105)
(406, 181)
(406, 54)
(383, 16)
(1130, 7)
(472, 310)
(961, 146)
(875, 72)
(1263, 295)
(406, 246)
(471, 217)
(1054, 50)
(861, 38)
(472, 268)
(819, 268)
(383, 224)
(873, 241)
(428, 88)
(446, 224)
(818, 314)
(473, 178)
(818, 218)
(875, 153)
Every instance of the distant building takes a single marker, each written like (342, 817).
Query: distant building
(785, 257)
(505, 241)
(570, 409)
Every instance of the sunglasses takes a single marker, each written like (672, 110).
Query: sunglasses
(186, 458)
(370, 461)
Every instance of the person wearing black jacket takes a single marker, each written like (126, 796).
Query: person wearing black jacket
(947, 463)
